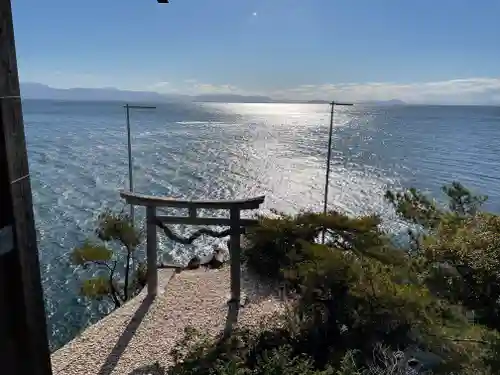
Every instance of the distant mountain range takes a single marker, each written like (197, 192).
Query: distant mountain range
(232, 98)
(40, 91)
(369, 102)
(31, 90)
(385, 102)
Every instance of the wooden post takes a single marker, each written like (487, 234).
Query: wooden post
(235, 253)
(192, 212)
(23, 332)
(151, 247)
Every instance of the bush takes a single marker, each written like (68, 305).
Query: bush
(459, 248)
(362, 306)
(195, 354)
(278, 245)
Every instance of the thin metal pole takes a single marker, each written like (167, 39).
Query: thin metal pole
(130, 176)
(328, 158)
(130, 168)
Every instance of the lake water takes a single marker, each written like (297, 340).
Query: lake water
(78, 163)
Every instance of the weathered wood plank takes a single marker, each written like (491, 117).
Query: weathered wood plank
(192, 212)
(151, 249)
(30, 352)
(186, 220)
(147, 200)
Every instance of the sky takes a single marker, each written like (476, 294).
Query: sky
(424, 51)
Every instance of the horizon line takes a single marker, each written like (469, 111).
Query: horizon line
(269, 99)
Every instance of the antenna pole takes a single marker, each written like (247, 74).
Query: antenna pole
(328, 158)
(129, 142)
(130, 175)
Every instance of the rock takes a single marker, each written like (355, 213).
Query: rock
(244, 243)
(245, 299)
(221, 254)
(422, 360)
(413, 363)
(217, 260)
(194, 263)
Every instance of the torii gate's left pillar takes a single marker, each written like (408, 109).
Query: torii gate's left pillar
(24, 346)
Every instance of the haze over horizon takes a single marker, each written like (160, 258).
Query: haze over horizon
(33, 90)
(418, 52)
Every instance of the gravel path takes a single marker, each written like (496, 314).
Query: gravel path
(131, 339)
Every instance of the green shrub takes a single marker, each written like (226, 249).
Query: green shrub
(241, 354)
(277, 245)
(460, 250)
(358, 299)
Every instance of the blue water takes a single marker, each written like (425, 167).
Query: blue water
(78, 161)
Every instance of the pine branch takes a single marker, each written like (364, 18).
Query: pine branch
(458, 339)
(102, 263)
(464, 339)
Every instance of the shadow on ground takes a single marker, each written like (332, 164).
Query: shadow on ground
(127, 335)
(254, 290)
(154, 369)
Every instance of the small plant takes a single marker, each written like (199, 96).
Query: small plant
(115, 250)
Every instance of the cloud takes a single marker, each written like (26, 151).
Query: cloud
(193, 87)
(160, 85)
(208, 88)
(455, 91)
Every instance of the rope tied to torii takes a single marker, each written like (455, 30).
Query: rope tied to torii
(200, 232)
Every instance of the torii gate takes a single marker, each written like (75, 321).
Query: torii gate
(234, 222)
